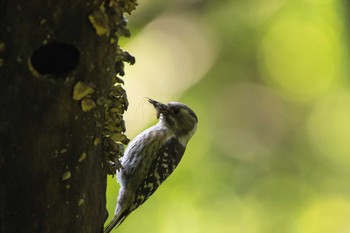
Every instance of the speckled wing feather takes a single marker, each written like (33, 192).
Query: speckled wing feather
(165, 162)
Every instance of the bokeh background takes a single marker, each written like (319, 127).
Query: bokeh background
(269, 81)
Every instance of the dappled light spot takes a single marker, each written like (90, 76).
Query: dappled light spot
(325, 215)
(329, 128)
(301, 56)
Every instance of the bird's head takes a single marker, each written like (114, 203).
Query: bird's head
(177, 117)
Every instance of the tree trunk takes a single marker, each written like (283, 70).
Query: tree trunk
(60, 112)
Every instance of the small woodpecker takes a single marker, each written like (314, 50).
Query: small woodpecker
(152, 156)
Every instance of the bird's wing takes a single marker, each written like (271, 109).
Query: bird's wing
(164, 163)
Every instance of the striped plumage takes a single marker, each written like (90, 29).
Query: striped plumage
(152, 156)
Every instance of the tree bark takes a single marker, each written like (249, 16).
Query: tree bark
(60, 112)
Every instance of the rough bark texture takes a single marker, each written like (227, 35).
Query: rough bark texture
(58, 62)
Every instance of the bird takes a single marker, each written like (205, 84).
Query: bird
(152, 156)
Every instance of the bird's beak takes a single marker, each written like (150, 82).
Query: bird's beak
(160, 107)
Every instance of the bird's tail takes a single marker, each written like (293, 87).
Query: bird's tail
(117, 220)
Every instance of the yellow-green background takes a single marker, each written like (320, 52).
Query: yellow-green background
(269, 81)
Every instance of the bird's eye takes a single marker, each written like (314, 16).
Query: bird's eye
(176, 111)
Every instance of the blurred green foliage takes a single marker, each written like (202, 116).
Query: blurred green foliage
(269, 81)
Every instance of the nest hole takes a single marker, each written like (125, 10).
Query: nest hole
(55, 59)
